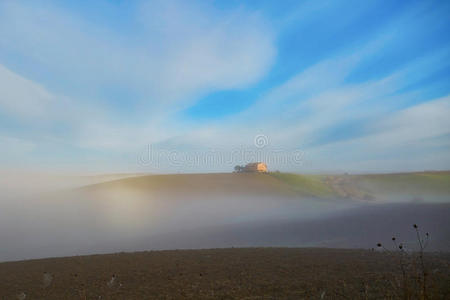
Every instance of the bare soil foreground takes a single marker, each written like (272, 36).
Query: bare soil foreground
(245, 273)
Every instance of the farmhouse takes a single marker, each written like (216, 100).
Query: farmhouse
(259, 167)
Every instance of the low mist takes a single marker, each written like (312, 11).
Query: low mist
(67, 219)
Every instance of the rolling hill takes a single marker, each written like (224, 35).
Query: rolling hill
(420, 186)
(224, 210)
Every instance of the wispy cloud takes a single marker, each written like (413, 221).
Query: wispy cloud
(84, 91)
(21, 97)
(176, 52)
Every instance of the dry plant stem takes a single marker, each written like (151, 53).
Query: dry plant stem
(422, 264)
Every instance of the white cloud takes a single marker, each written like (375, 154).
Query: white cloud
(60, 120)
(175, 52)
(300, 111)
(181, 51)
(12, 146)
(410, 139)
(414, 125)
(22, 97)
(206, 50)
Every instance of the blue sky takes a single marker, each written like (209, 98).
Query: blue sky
(355, 86)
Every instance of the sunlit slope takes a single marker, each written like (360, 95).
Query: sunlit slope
(420, 186)
(213, 184)
(410, 186)
(311, 185)
(413, 186)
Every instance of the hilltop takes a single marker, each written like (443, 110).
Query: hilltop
(419, 186)
(225, 210)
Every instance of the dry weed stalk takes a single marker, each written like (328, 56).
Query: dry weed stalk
(414, 282)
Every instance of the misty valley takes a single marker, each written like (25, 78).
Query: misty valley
(196, 211)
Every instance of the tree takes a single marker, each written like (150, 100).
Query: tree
(238, 168)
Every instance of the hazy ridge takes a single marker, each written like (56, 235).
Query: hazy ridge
(224, 210)
(418, 185)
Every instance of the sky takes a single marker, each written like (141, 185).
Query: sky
(201, 86)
